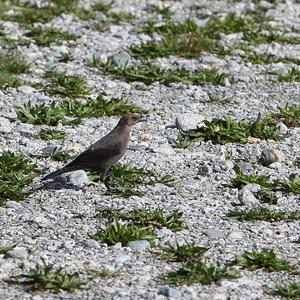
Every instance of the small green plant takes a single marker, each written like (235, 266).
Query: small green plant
(16, 173)
(289, 115)
(292, 184)
(196, 272)
(263, 214)
(65, 57)
(264, 259)
(149, 73)
(99, 107)
(58, 155)
(65, 85)
(51, 115)
(182, 253)
(116, 232)
(125, 179)
(11, 64)
(45, 277)
(145, 218)
(226, 130)
(182, 39)
(70, 112)
(297, 162)
(46, 36)
(288, 290)
(292, 76)
(242, 179)
(5, 249)
(50, 134)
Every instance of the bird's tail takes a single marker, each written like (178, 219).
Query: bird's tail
(57, 173)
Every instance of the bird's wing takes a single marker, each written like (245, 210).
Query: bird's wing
(97, 153)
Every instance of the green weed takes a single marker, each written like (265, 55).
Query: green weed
(264, 259)
(50, 134)
(196, 272)
(125, 179)
(45, 277)
(5, 249)
(182, 253)
(226, 130)
(289, 115)
(57, 155)
(258, 213)
(16, 173)
(292, 184)
(242, 179)
(288, 290)
(149, 73)
(116, 232)
(145, 218)
(292, 76)
(46, 36)
(11, 64)
(65, 85)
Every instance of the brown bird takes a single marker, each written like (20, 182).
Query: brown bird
(104, 153)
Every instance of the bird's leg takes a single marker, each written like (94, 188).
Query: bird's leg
(104, 177)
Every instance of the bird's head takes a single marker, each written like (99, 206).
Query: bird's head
(132, 119)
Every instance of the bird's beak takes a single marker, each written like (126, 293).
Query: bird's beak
(142, 119)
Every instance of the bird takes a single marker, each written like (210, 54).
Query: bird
(101, 155)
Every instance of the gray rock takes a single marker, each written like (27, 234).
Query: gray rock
(282, 128)
(269, 156)
(204, 169)
(170, 292)
(77, 178)
(13, 204)
(91, 244)
(24, 89)
(245, 195)
(139, 246)
(214, 233)
(164, 149)
(188, 121)
(121, 58)
(245, 167)
(235, 235)
(42, 221)
(122, 258)
(18, 253)
(5, 125)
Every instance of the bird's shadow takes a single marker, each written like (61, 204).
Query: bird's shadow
(58, 185)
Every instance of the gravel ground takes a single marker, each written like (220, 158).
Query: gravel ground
(45, 225)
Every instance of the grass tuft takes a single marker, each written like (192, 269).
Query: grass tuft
(242, 179)
(125, 179)
(182, 253)
(70, 112)
(196, 272)
(145, 218)
(292, 184)
(46, 36)
(263, 214)
(11, 64)
(288, 290)
(292, 76)
(226, 130)
(289, 115)
(265, 259)
(65, 85)
(16, 173)
(45, 277)
(57, 155)
(116, 232)
(149, 73)
(50, 134)
(5, 249)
